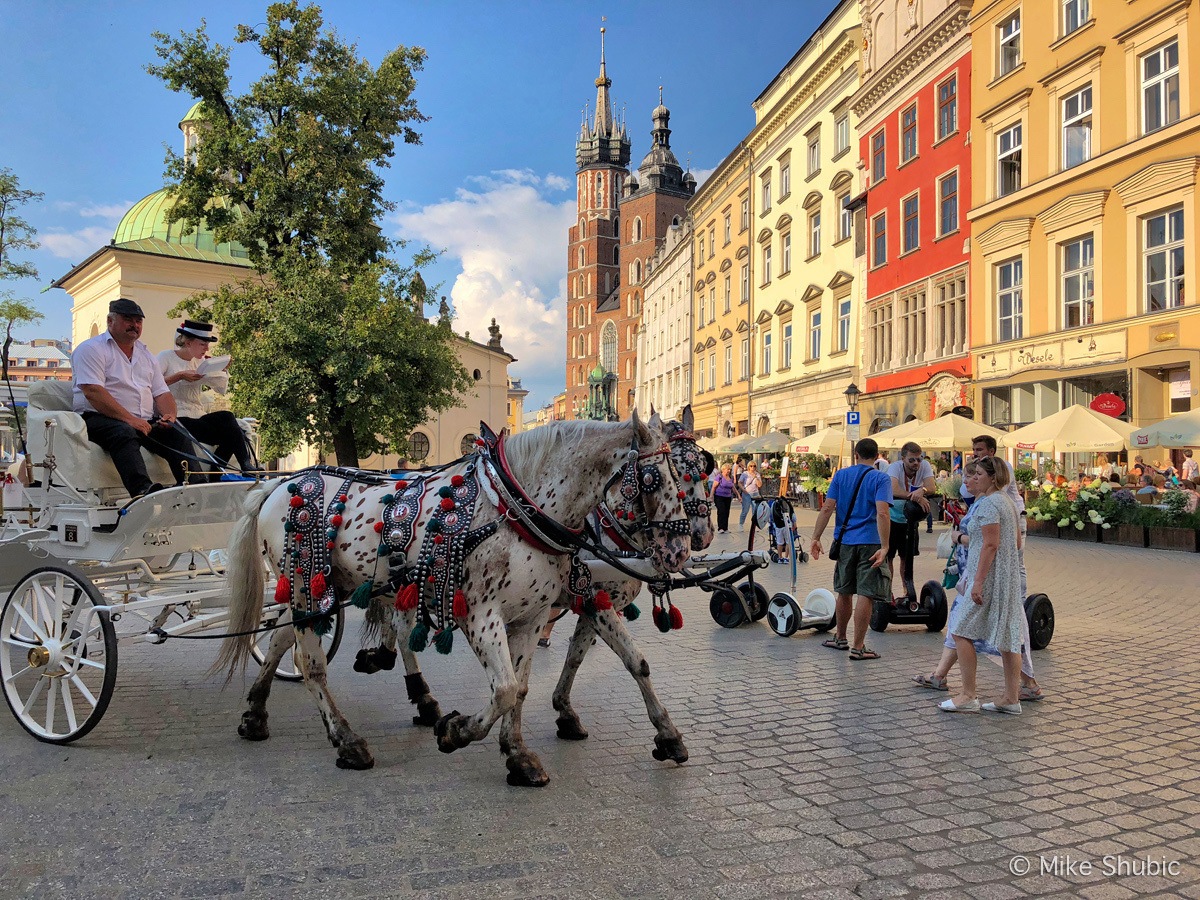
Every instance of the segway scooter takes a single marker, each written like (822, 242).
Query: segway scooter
(733, 605)
(930, 607)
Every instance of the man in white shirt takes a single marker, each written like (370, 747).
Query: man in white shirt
(912, 479)
(118, 388)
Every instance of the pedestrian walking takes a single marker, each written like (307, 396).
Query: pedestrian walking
(724, 490)
(861, 496)
(750, 486)
(993, 584)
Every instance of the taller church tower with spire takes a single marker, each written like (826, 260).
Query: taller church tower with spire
(620, 222)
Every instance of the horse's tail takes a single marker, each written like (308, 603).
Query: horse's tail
(245, 581)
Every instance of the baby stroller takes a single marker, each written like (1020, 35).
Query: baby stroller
(785, 536)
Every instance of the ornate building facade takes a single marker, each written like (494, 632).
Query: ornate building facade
(914, 144)
(1084, 212)
(622, 220)
(664, 338)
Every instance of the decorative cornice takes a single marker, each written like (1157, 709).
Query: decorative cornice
(811, 293)
(764, 235)
(726, 264)
(813, 199)
(726, 334)
(941, 31)
(785, 306)
(763, 316)
(1072, 210)
(1008, 233)
(1156, 16)
(797, 96)
(841, 179)
(1018, 97)
(1094, 54)
(783, 221)
(710, 343)
(1157, 179)
(841, 279)
(743, 252)
(743, 326)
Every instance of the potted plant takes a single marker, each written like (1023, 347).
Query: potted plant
(1128, 529)
(1174, 528)
(1025, 477)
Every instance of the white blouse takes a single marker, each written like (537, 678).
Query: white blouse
(187, 393)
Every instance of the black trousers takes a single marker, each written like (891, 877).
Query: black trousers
(723, 504)
(221, 429)
(124, 444)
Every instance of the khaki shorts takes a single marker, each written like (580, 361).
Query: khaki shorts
(854, 574)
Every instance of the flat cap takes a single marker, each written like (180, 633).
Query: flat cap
(126, 307)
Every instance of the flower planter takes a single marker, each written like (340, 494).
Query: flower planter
(1185, 539)
(1049, 528)
(1125, 536)
(1089, 534)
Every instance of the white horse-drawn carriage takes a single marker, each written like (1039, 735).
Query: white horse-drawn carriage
(85, 569)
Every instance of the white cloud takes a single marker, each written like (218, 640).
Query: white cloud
(110, 211)
(509, 238)
(76, 245)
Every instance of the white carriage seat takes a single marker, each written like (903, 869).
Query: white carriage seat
(81, 463)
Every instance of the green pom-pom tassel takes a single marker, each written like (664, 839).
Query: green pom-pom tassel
(322, 625)
(362, 595)
(632, 612)
(418, 639)
(444, 641)
(446, 491)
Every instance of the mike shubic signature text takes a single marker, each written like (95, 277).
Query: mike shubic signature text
(1112, 866)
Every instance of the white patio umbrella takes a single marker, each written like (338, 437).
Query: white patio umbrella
(1075, 429)
(826, 442)
(892, 438)
(1182, 430)
(771, 442)
(950, 432)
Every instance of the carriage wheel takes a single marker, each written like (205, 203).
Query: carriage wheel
(289, 666)
(756, 600)
(58, 658)
(1040, 613)
(726, 607)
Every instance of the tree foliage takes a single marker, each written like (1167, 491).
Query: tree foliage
(16, 235)
(329, 342)
(296, 160)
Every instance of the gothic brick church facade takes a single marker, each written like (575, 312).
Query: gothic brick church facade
(621, 220)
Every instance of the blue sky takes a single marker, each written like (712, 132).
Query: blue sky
(493, 183)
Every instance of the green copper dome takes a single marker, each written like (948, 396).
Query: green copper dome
(193, 114)
(145, 228)
(598, 373)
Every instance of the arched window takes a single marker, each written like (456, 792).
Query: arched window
(608, 347)
(616, 226)
(599, 190)
(95, 329)
(637, 228)
(582, 228)
(616, 255)
(418, 447)
(581, 257)
(637, 271)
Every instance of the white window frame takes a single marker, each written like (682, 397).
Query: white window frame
(1015, 294)
(905, 247)
(942, 201)
(745, 213)
(814, 233)
(843, 323)
(814, 335)
(1160, 83)
(766, 193)
(728, 293)
(1082, 277)
(745, 298)
(785, 247)
(841, 133)
(814, 155)
(1008, 44)
(845, 217)
(785, 345)
(785, 178)
(766, 351)
(1015, 134)
(745, 358)
(712, 370)
(1172, 248)
(766, 262)
(728, 229)
(1079, 118)
(729, 363)
(1075, 14)
(908, 153)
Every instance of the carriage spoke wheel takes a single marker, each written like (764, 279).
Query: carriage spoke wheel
(58, 656)
(289, 665)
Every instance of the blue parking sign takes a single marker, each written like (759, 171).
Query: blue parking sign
(852, 417)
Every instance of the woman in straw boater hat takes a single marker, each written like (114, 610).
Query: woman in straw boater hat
(181, 371)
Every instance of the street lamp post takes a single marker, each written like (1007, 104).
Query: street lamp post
(851, 431)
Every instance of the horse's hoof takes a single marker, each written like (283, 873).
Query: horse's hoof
(384, 658)
(526, 774)
(365, 662)
(671, 749)
(355, 756)
(253, 728)
(569, 729)
(446, 742)
(428, 714)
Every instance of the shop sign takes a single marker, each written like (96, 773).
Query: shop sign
(1181, 384)
(1109, 404)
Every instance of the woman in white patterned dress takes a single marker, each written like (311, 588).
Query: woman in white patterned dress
(993, 574)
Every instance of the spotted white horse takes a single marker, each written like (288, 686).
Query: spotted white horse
(483, 546)
(618, 535)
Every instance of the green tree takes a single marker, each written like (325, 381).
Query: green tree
(329, 343)
(16, 235)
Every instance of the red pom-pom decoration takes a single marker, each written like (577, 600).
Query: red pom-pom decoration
(407, 598)
(296, 501)
(378, 526)
(456, 480)
(283, 590)
(335, 521)
(460, 605)
(687, 477)
(603, 600)
(401, 485)
(341, 498)
(681, 495)
(329, 545)
(447, 504)
(676, 618)
(431, 579)
(439, 539)
(317, 586)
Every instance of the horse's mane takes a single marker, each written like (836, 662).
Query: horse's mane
(536, 453)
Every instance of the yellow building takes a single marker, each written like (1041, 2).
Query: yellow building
(722, 238)
(806, 303)
(1084, 216)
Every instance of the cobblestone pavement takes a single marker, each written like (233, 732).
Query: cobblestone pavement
(810, 775)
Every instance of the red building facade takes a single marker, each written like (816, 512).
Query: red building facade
(914, 125)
